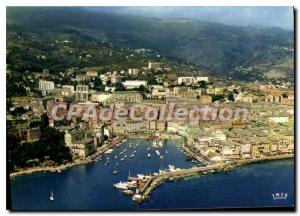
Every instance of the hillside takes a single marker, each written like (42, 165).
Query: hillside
(220, 49)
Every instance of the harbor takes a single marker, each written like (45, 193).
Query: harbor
(95, 179)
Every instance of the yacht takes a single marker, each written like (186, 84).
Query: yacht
(109, 151)
(171, 168)
(128, 192)
(121, 185)
(51, 195)
(137, 197)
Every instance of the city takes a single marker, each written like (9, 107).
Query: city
(61, 116)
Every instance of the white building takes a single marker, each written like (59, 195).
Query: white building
(133, 71)
(46, 86)
(82, 93)
(131, 84)
(92, 73)
(191, 80)
(198, 79)
(67, 90)
(186, 80)
(153, 65)
(278, 119)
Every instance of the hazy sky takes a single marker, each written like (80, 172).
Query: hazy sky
(244, 16)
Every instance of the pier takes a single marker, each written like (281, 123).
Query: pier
(146, 188)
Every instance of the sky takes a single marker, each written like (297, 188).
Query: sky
(242, 16)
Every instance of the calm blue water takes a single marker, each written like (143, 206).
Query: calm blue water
(90, 187)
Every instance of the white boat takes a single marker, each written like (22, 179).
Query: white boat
(122, 159)
(160, 143)
(171, 168)
(166, 151)
(109, 151)
(148, 149)
(161, 171)
(157, 152)
(154, 144)
(128, 192)
(51, 195)
(121, 185)
(116, 156)
(137, 197)
(149, 155)
(161, 157)
(131, 156)
(115, 172)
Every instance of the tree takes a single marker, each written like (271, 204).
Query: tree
(202, 84)
(230, 96)
(98, 84)
(119, 86)
(217, 97)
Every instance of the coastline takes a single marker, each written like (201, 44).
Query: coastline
(101, 150)
(112, 143)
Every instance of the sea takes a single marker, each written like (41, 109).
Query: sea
(90, 187)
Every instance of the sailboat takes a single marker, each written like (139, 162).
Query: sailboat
(51, 196)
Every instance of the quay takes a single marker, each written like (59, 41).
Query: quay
(145, 189)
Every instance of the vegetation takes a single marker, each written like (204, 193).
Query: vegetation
(216, 48)
(49, 150)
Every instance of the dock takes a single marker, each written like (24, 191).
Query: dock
(146, 189)
(152, 183)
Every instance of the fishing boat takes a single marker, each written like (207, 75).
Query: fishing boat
(115, 172)
(51, 195)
